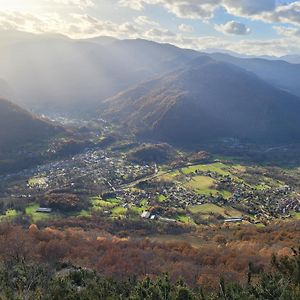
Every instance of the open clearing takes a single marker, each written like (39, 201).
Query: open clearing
(37, 181)
(218, 167)
(118, 211)
(208, 209)
(9, 214)
(204, 185)
(35, 216)
(193, 240)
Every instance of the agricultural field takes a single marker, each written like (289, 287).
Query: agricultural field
(209, 209)
(37, 182)
(203, 193)
(10, 214)
(30, 211)
(205, 185)
(218, 167)
(296, 215)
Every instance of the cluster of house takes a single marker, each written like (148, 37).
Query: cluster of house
(267, 203)
(173, 196)
(91, 168)
(264, 204)
(114, 172)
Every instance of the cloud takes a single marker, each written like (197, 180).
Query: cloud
(190, 9)
(289, 13)
(274, 47)
(79, 25)
(144, 20)
(186, 28)
(290, 32)
(264, 10)
(204, 9)
(76, 3)
(233, 27)
(248, 7)
(24, 21)
(133, 4)
(82, 25)
(160, 35)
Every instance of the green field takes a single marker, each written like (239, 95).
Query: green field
(239, 168)
(9, 214)
(207, 209)
(184, 219)
(162, 198)
(296, 215)
(37, 181)
(100, 204)
(204, 185)
(143, 207)
(84, 213)
(137, 210)
(118, 211)
(218, 167)
(201, 184)
(144, 202)
(113, 200)
(168, 176)
(112, 205)
(35, 216)
(262, 187)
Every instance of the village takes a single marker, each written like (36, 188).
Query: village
(169, 200)
(196, 194)
(91, 169)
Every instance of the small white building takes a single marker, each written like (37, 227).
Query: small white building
(146, 215)
(233, 220)
(44, 210)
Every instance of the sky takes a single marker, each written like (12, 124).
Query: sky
(253, 27)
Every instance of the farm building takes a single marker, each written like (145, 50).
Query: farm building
(233, 220)
(44, 210)
(146, 215)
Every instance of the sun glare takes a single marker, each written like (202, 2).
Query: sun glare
(20, 5)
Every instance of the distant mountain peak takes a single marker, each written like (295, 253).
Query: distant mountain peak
(208, 100)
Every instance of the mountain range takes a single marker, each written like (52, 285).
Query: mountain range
(293, 59)
(279, 73)
(207, 100)
(158, 90)
(60, 75)
(53, 73)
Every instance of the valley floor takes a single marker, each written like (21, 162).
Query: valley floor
(195, 215)
(107, 184)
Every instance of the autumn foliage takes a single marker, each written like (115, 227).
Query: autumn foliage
(222, 255)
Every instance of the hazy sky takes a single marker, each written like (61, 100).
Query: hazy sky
(247, 26)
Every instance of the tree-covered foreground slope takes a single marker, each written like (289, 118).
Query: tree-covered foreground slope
(91, 263)
(22, 280)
